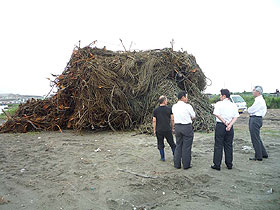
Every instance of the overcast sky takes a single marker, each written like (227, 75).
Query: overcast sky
(235, 42)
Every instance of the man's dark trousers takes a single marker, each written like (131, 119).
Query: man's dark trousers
(255, 124)
(184, 140)
(223, 139)
(169, 138)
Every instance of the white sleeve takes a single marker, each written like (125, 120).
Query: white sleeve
(216, 109)
(236, 111)
(192, 112)
(254, 108)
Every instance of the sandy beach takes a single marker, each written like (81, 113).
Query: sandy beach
(122, 170)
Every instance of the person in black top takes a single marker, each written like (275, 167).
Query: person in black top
(163, 123)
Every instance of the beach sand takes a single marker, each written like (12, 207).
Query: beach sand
(122, 170)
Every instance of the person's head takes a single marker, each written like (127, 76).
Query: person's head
(162, 100)
(257, 91)
(224, 94)
(182, 96)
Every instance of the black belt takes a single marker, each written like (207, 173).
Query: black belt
(221, 123)
(182, 124)
(256, 116)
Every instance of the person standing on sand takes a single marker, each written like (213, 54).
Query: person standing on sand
(163, 124)
(226, 114)
(257, 111)
(183, 116)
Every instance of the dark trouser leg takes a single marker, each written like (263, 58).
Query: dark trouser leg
(187, 146)
(220, 132)
(228, 147)
(178, 150)
(255, 125)
(170, 141)
(160, 138)
(264, 153)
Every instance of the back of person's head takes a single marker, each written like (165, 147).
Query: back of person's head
(225, 92)
(181, 94)
(161, 99)
(259, 89)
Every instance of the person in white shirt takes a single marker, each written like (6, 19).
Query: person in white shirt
(183, 115)
(226, 114)
(257, 111)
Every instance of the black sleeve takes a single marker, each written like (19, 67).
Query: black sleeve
(155, 113)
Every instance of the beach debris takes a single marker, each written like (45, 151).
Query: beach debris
(3, 200)
(97, 150)
(246, 148)
(102, 89)
(270, 191)
(137, 174)
(22, 170)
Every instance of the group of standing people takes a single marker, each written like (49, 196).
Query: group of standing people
(179, 119)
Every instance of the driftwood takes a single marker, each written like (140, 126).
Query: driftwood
(137, 174)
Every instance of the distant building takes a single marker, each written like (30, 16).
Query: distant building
(6, 99)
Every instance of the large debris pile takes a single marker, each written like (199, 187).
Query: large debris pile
(101, 89)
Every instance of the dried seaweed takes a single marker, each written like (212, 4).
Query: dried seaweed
(102, 89)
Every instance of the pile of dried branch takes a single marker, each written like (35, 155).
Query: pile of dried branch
(101, 89)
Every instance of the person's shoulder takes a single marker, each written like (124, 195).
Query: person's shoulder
(156, 109)
(168, 107)
(219, 103)
(174, 105)
(234, 106)
(189, 106)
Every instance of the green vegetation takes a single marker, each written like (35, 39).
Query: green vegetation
(214, 99)
(271, 101)
(12, 108)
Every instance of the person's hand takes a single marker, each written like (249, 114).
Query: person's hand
(154, 133)
(173, 131)
(228, 127)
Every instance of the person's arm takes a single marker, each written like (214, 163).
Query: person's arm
(154, 124)
(229, 126)
(172, 123)
(220, 118)
(192, 113)
(254, 108)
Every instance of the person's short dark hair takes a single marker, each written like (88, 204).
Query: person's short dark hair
(181, 94)
(225, 92)
(161, 99)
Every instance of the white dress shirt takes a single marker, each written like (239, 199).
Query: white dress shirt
(258, 108)
(183, 113)
(226, 109)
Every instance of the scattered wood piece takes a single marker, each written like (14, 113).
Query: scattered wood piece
(136, 174)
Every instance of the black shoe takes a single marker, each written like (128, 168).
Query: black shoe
(216, 167)
(255, 159)
(177, 167)
(265, 156)
(229, 167)
(188, 167)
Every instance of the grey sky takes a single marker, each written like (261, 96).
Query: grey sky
(235, 42)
